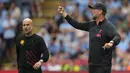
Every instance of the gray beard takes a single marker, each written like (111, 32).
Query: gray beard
(94, 17)
(28, 34)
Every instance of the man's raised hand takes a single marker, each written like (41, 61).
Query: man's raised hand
(62, 11)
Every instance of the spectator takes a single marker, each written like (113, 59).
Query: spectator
(125, 8)
(1, 22)
(114, 4)
(116, 14)
(2, 46)
(54, 66)
(9, 26)
(128, 49)
(15, 11)
(3, 11)
(123, 45)
(44, 34)
(53, 47)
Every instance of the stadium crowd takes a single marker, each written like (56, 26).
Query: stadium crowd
(68, 46)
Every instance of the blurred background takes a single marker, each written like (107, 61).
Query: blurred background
(68, 46)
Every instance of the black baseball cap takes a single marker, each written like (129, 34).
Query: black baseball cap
(100, 6)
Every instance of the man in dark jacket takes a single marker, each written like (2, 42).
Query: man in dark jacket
(103, 38)
(31, 50)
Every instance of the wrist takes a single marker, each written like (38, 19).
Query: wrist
(41, 60)
(64, 14)
(112, 42)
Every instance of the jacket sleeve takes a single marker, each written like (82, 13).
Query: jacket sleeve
(45, 51)
(82, 26)
(113, 34)
(17, 51)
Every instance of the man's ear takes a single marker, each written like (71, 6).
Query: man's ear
(101, 11)
(32, 25)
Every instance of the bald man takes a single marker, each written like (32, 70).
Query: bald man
(31, 50)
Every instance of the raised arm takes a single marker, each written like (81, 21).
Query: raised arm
(82, 26)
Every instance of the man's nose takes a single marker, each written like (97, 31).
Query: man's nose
(25, 26)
